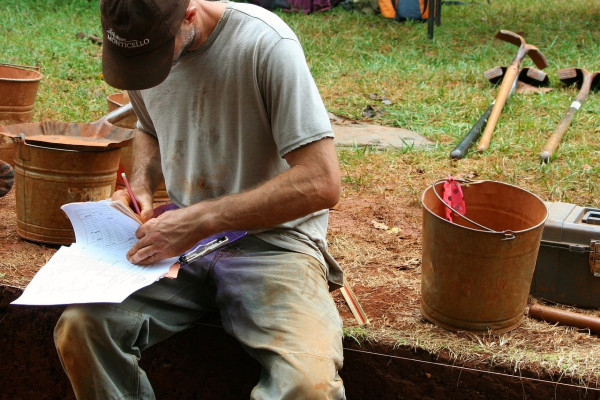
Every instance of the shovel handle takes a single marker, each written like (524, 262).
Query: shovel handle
(461, 149)
(556, 137)
(509, 79)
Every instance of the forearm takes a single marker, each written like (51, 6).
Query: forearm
(146, 170)
(312, 183)
(308, 186)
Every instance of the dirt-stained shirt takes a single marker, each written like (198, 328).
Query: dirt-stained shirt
(230, 110)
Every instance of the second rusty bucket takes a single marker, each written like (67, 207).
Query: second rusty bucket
(477, 270)
(18, 91)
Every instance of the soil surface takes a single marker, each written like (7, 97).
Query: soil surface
(375, 235)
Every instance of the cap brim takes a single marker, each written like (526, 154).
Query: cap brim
(140, 72)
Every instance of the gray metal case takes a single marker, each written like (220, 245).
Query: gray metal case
(567, 270)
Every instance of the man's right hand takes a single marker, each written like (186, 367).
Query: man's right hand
(144, 199)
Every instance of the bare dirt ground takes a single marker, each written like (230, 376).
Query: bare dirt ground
(375, 234)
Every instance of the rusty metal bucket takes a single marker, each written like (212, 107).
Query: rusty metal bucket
(58, 163)
(18, 90)
(46, 178)
(477, 271)
(116, 100)
(77, 136)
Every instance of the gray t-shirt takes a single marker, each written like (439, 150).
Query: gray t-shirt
(230, 110)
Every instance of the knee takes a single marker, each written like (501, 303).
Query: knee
(305, 376)
(74, 328)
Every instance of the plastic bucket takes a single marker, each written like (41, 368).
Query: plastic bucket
(18, 91)
(46, 178)
(115, 101)
(476, 275)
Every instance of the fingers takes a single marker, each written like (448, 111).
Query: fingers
(144, 256)
(145, 201)
(143, 252)
(147, 211)
(122, 196)
(162, 237)
(143, 198)
(151, 246)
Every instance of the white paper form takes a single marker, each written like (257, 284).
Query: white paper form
(95, 268)
(101, 226)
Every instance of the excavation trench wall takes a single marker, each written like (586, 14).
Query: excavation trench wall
(205, 363)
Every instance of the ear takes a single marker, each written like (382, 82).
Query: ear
(191, 13)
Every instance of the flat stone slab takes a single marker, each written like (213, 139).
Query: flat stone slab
(356, 134)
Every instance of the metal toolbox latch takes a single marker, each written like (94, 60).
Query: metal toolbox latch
(595, 257)
(592, 217)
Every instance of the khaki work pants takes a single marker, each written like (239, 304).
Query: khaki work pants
(274, 302)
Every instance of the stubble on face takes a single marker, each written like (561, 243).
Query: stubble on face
(187, 40)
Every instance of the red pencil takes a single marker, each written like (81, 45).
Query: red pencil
(133, 200)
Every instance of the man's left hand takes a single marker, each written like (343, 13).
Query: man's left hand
(169, 235)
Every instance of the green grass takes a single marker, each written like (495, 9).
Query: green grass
(356, 333)
(436, 87)
(44, 33)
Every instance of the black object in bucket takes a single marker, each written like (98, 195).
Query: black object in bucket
(7, 178)
(477, 270)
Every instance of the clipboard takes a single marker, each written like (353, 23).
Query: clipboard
(205, 246)
(210, 244)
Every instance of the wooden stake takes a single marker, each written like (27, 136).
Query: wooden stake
(354, 305)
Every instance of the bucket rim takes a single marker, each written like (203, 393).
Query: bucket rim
(35, 70)
(82, 150)
(30, 80)
(490, 231)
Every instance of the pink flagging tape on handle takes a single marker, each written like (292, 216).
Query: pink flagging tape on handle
(453, 196)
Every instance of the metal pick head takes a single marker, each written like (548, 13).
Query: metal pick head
(534, 53)
(510, 37)
(539, 59)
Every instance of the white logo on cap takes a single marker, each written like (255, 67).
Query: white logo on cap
(128, 44)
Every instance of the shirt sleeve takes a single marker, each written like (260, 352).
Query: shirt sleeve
(296, 110)
(144, 122)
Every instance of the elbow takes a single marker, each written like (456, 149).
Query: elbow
(330, 189)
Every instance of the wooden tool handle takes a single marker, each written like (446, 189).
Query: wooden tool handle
(552, 315)
(556, 137)
(507, 84)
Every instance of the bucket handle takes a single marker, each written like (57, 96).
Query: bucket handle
(36, 68)
(508, 234)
